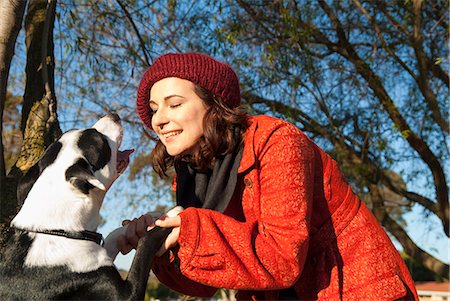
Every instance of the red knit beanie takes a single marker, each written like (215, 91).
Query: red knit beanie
(216, 77)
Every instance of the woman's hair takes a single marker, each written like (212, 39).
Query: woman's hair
(219, 125)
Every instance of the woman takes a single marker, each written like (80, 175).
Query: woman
(267, 212)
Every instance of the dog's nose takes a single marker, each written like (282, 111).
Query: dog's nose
(114, 116)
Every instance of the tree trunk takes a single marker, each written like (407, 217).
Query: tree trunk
(39, 121)
(39, 124)
(10, 24)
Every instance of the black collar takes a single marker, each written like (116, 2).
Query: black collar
(81, 235)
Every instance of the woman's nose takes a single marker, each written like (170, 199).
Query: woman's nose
(159, 119)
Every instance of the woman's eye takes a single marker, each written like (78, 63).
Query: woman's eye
(175, 105)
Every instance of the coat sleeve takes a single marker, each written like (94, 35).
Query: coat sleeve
(268, 250)
(166, 269)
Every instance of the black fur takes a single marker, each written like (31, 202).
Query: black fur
(95, 148)
(82, 172)
(105, 283)
(27, 181)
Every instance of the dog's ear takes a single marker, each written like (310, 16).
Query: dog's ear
(82, 178)
(27, 181)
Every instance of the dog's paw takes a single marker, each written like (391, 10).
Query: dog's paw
(110, 243)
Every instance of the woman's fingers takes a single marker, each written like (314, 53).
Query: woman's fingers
(170, 241)
(169, 222)
(174, 211)
(138, 227)
(150, 219)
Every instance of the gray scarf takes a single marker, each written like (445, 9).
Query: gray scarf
(212, 189)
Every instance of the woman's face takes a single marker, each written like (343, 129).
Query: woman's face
(177, 114)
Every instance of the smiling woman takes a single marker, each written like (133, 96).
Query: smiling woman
(266, 211)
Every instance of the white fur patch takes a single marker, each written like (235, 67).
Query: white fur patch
(110, 244)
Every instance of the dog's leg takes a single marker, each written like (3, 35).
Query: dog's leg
(143, 260)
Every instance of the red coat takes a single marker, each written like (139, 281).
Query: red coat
(297, 224)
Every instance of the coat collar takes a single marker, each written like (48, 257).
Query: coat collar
(248, 154)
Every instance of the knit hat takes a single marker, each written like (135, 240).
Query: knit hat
(216, 77)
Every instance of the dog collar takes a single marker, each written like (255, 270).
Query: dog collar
(80, 235)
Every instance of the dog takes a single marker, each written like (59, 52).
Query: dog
(54, 251)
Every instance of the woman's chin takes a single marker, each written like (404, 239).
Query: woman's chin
(174, 151)
(181, 151)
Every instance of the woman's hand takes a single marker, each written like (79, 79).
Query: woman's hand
(138, 227)
(135, 229)
(172, 239)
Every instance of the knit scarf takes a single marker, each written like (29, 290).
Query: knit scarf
(212, 189)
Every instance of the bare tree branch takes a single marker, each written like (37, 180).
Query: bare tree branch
(437, 70)
(145, 51)
(412, 196)
(383, 42)
(423, 62)
(53, 129)
(407, 243)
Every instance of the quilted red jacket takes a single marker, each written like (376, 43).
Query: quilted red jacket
(293, 222)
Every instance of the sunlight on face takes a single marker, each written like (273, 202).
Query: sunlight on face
(177, 114)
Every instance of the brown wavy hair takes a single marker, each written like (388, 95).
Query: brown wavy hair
(220, 124)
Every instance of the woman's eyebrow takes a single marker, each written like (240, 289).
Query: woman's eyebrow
(166, 98)
(173, 95)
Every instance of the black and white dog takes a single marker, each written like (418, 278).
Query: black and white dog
(54, 251)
